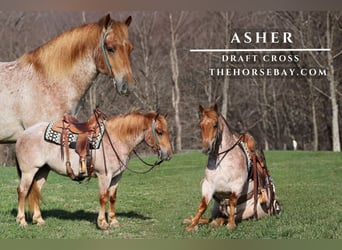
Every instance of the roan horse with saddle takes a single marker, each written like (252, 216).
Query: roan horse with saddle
(236, 176)
(81, 136)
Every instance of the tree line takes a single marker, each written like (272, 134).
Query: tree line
(276, 109)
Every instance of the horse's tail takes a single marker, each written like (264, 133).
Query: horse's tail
(33, 197)
(18, 167)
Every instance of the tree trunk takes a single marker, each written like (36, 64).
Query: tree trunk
(276, 118)
(334, 106)
(175, 86)
(265, 115)
(225, 85)
(314, 116)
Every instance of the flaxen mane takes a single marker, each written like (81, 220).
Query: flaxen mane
(58, 55)
(126, 125)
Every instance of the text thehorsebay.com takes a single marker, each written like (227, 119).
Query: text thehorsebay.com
(257, 61)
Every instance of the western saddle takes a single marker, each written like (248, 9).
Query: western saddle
(261, 176)
(86, 132)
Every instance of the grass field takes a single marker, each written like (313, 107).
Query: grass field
(153, 206)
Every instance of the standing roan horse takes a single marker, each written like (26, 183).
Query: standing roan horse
(36, 157)
(228, 175)
(49, 81)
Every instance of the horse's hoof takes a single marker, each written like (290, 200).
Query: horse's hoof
(231, 226)
(277, 207)
(41, 223)
(192, 228)
(216, 223)
(22, 223)
(114, 224)
(187, 221)
(103, 225)
(38, 220)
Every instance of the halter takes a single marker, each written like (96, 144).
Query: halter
(104, 52)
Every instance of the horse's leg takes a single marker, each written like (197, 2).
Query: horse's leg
(40, 179)
(188, 220)
(112, 220)
(33, 202)
(104, 182)
(217, 215)
(200, 211)
(207, 194)
(232, 210)
(23, 189)
(101, 219)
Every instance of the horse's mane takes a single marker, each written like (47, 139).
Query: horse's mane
(124, 126)
(212, 114)
(58, 55)
(215, 115)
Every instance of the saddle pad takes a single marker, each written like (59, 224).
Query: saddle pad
(55, 137)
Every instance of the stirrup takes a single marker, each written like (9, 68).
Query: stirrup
(69, 170)
(262, 197)
(83, 169)
(276, 207)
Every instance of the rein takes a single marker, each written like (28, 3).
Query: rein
(152, 166)
(229, 149)
(225, 152)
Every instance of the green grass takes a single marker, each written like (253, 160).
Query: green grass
(153, 206)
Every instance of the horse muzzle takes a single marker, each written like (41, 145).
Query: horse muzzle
(164, 155)
(121, 87)
(206, 150)
(207, 147)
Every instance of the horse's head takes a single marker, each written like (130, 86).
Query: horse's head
(114, 59)
(157, 137)
(209, 124)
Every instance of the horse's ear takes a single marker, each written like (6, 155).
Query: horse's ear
(200, 109)
(104, 21)
(200, 112)
(165, 116)
(215, 107)
(156, 116)
(128, 21)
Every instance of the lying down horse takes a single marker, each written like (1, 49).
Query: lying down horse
(236, 176)
(36, 157)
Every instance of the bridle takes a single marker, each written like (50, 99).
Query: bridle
(104, 52)
(124, 165)
(155, 137)
(218, 138)
(156, 163)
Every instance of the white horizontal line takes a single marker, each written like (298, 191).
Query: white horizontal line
(256, 50)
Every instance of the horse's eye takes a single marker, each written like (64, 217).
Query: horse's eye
(110, 49)
(215, 126)
(160, 133)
